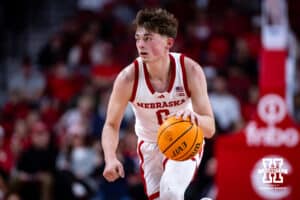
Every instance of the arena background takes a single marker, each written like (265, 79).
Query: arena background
(58, 61)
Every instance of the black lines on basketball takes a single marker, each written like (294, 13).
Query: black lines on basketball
(180, 136)
(188, 151)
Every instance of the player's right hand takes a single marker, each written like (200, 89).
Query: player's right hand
(113, 170)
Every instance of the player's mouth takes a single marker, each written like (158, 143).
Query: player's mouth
(143, 53)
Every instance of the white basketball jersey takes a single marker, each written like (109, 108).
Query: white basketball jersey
(151, 107)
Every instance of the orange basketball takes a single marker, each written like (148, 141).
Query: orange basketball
(179, 139)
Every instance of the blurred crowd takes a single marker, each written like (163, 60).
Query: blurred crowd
(52, 118)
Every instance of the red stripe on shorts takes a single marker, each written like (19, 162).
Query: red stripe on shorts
(200, 154)
(165, 162)
(141, 165)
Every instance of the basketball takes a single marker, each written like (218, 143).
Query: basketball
(179, 139)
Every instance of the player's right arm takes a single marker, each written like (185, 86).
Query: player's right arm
(118, 101)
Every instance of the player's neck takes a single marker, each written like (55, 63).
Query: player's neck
(159, 69)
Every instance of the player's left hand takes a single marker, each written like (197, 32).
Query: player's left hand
(187, 115)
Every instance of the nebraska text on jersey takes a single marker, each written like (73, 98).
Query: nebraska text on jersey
(163, 104)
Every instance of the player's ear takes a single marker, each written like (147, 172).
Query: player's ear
(170, 42)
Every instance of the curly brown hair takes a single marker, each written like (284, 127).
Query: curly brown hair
(157, 20)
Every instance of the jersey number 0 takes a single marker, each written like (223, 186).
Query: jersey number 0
(161, 114)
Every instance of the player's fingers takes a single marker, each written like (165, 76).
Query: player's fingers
(171, 115)
(120, 171)
(197, 121)
(193, 119)
(185, 115)
(179, 114)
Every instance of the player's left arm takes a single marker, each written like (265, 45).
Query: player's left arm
(202, 113)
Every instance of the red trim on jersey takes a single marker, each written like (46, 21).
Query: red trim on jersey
(141, 166)
(136, 77)
(184, 76)
(173, 74)
(154, 196)
(147, 78)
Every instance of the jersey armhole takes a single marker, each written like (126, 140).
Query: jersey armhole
(136, 74)
(184, 75)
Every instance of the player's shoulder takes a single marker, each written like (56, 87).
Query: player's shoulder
(192, 67)
(127, 75)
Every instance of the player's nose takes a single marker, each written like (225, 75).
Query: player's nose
(140, 44)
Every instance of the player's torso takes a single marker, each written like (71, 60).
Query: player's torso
(151, 107)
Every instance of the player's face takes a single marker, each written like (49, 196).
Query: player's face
(151, 45)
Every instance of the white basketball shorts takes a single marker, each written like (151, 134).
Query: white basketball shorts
(163, 178)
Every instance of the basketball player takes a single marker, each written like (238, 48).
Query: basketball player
(157, 84)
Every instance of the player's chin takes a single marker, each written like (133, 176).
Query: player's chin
(145, 58)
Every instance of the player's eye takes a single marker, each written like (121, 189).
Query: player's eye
(147, 39)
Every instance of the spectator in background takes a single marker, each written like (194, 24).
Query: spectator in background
(242, 58)
(28, 81)
(49, 111)
(226, 107)
(249, 107)
(20, 140)
(77, 164)
(81, 114)
(62, 84)
(6, 163)
(51, 52)
(218, 50)
(234, 23)
(33, 116)
(134, 181)
(100, 114)
(89, 50)
(14, 108)
(83, 157)
(238, 83)
(36, 165)
(128, 186)
(104, 72)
